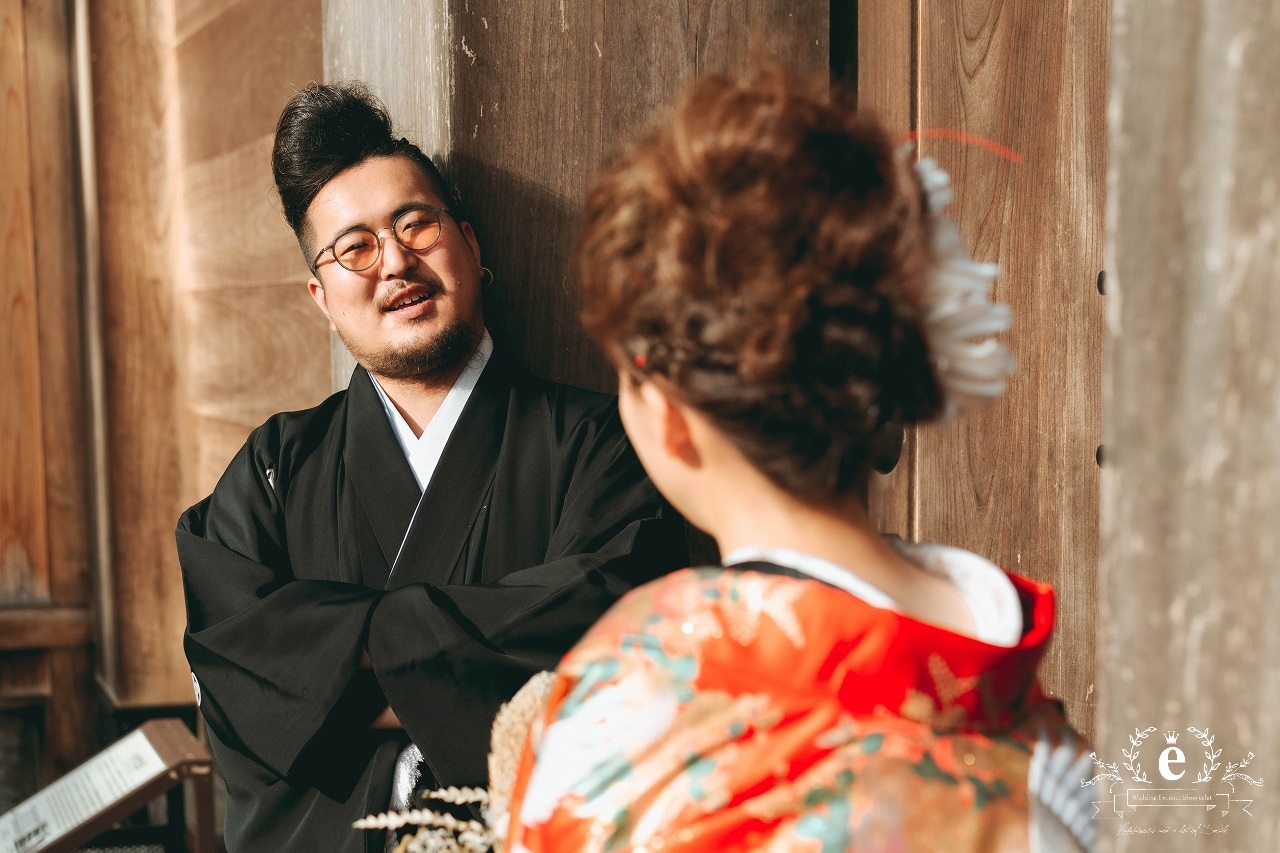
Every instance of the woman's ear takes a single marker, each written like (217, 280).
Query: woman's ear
(672, 422)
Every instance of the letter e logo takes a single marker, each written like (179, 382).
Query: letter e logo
(1171, 755)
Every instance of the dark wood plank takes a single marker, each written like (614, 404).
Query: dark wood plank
(24, 557)
(887, 66)
(1018, 481)
(25, 679)
(55, 205)
(526, 145)
(71, 720)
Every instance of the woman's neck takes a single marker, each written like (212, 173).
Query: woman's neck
(839, 532)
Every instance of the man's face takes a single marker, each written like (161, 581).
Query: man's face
(412, 315)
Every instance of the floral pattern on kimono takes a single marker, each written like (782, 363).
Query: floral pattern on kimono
(725, 709)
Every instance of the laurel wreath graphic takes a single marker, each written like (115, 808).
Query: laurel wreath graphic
(1211, 763)
(1112, 771)
(1108, 771)
(1131, 754)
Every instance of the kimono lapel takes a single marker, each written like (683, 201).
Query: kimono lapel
(379, 472)
(460, 485)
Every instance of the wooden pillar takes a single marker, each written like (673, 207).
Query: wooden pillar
(1191, 487)
(133, 114)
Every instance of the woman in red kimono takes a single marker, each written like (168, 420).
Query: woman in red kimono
(774, 279)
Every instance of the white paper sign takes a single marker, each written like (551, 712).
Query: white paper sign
(86, 791)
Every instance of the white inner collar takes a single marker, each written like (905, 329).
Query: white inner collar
(997, 611)
(423, 452)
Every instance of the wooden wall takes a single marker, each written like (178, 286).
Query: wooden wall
(540, 93)
(240, 276)
(44, 542)
(1191, 488)
(1017, 481)
(207, 328)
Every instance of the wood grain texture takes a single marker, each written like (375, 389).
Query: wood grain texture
(191, 15)
(71, 720)
(24, 557)
(219, 442)
(1191, 487)
(194, 254)
(278, 360)
(237, 70)
(887, 65)
(135, 123)
(255, 343)
(55, 203)
(523, 101)
(1018, 481)
(542, 96)
(236, 237)
(43, 627)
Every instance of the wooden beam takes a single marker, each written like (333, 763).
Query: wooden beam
(43, 628)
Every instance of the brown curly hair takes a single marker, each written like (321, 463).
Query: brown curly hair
(763, 252)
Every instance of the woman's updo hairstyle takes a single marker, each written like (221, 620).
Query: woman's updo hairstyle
(763, 253)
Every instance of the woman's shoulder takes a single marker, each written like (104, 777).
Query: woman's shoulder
(709, 602)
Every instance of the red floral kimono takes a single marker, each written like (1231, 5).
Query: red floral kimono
(726, 709)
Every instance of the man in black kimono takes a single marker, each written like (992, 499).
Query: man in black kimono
(387, 568)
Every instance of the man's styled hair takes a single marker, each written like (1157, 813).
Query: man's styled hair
(326, 129)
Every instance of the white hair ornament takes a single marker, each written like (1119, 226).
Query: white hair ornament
(957, 313)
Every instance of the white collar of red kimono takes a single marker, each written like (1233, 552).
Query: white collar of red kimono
(997, 611)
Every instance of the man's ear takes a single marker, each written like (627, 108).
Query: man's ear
(316, 289)
(470, 236)
(673, 425)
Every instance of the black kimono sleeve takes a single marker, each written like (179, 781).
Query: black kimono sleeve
(276, 658)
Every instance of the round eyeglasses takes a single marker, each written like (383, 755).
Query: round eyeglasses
(417, 230)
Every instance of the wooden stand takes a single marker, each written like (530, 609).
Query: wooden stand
(83, 806)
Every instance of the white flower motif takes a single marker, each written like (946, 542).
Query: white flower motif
(620, 719)
(959, 316)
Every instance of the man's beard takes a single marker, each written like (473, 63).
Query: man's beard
(439, 357)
